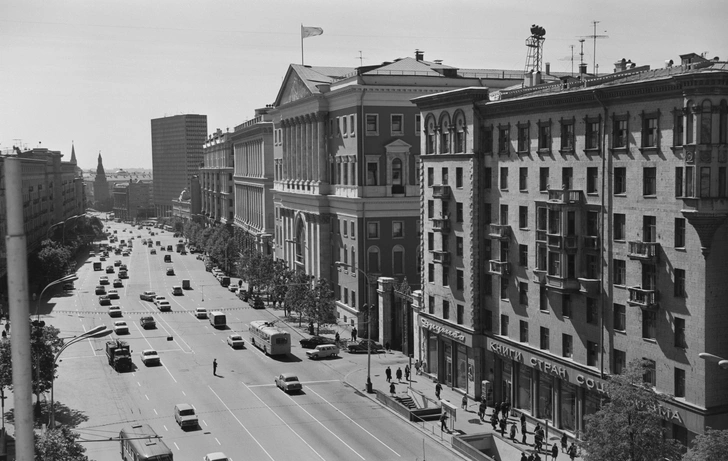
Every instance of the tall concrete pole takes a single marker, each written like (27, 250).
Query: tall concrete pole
(17, 265)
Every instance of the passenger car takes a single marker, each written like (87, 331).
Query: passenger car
(112, 294)
(288, 382)
(323, 350)
(177, 290)
(117, 262)
(120, 327)
(109, 269)
(185, 415)
(152, 251)
(201, 313)
(235, 341)
(103, 280)
(118, 283)
(150, 357)
(123, 274)
(217, 456)
(163, 306)
(148, 296)
(100, 290)
(313, 341)
(233, 288)
(104, 300)
(361, 346)
(147, 321)
(170, 271)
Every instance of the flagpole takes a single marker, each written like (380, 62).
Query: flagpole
(301, 43)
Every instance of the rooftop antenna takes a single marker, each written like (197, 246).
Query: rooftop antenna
(581, 53)
(594, 37)
(534, 44)
(572, 59)
(361, 59)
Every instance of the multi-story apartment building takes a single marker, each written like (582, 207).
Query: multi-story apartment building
(253, 179)
(346, 147)
(576, 226)
(176, 156)
(187, 205)
(216, 179)
(133, 200)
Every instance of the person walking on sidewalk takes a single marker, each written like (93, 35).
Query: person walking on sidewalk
(464, 402)
(438, 389)
(337, 338)
(571, 451)
(497, 409)
(564, 443)
(388, 374)
(554, 451)
(481, 409)
(406, 372)
(523, 428)
(417, 366)
(399, 375)
(391, 388)
(494, 421)
(524, 456)
(502, 426)
(443, 422)
(514, 431)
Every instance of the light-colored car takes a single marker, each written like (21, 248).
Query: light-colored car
(235, 341)
(233, 288)
(164, 306)
(104, 300)
(217, 456)
(118, 283)
(185, 415)
(117, 263)
(148, 296)
(112, 294)
(159, 298)
(100, 290)
(103, 280)
(170, 271)
(288, 382)
(323, 350)
(150, 357)
(114, 311)
(120, 327)
(201, 313)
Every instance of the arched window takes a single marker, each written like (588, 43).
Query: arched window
(690, 123)
(706, 123)
(300, 242)
(460, 140)
(723, 123)
(353, 257)
(431, 135)
(398, 260)
(373, 260)
(445, 134)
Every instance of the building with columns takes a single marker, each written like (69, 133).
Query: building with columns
(216, 179)
(347, 174)
(575, 226)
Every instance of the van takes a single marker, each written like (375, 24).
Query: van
(323, 350)
(225, 281)
(217, 319)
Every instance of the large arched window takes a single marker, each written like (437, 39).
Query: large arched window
(398, 260)
(431, 135)
(353, 257)
(300, 243)
(445, 134)
(373, 260)
(460, 132)
(706, 122)
(690, 123)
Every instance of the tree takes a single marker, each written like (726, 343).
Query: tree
(59, 445)
(322, 308)
(298, 294)
(712, 445)
(280, 279)
(628, 427)
(54, 259)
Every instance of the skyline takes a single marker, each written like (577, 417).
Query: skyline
(96, 75)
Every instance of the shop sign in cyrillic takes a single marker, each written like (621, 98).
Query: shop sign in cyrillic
(443, 330)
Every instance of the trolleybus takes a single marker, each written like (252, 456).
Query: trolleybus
(140, 442)
(269, 338)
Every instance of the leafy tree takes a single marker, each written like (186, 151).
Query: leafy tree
(627, 427)
(713, 446)
(281, 277)
(298, 294)
(60, 445)
(322, 309)
(54, 259)
(6, 370)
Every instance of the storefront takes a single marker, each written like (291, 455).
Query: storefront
(452, 355)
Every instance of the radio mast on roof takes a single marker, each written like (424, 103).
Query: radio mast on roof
(594, 37)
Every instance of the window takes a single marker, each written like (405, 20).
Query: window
(523, 331)
(430, 209)
(397, 229)
(504, 178)
(504, 139)
(544, 136)
(592, 352)
(487, 213)
(459, 212)
(620, 272)
(346, 296)
(678, 181)
(592, 179)
(567, 136)
(679, 382)
(619, 133)
(397, 124)
(649, 229)
(445, 310)
(459, 280)
(543, 299)
(544, 343)
(373, 230)
(418, 122)
(679, 285)
(705, 181)
(706, 122)
(650, 376)
(523, 137)
(592, 312)
(445, 137)
(486, 140)
(445, 176)
(430, 241)
(430, 177)
(398, 260)
(592, 134)
(458, 246)
(488, 319)
(460, 313)
(523, 179)
(372, 173)
(372, 124)
(458, 177)
(620, 361)
(523, 255)
(689, 181)
(503, 288)
(353, 227)
(619, 226)
(431, 273)
(543, 179)
(567, 346)
(649, 131)
(680, 333)
(344, 228)
(620, 180)
(523, 217)
(620, 319)
(678, 131)
(649, 181)
(445, 209)
(430, 304)
(504, 325)
(352, 125)
(345, 126)
(445, 277)
(523, 293)
(488, 178)
(430, 136)
(459, 135)
(488, 284)
(649, 324)
(566, 305)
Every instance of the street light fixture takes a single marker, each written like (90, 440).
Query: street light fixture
(96, 332)
(65, 278)
(723, 363)
(368, 307)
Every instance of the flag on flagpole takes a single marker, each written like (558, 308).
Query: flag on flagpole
(310, 31)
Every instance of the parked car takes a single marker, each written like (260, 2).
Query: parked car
(185, 415)
(362, 346)
(120, 327)
(288, 382)
(235, 341)
(148, 296)
(104, 300)
(323, 350)
(217, 456)
(313, 341)
(150, 357)
(233, 288)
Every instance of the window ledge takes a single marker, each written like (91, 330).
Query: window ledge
(624, 332)
(544, 151)
(593, 151)
(621, 194)
(594, 194)
(567, 151)
(649, 149)
(650, 340)
(619, 286)
(523, 152)
(651, 196)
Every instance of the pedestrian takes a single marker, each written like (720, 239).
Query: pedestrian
(388, 374)
(523, 435)
(497, 409)
(514, 431)
(214, 367)
(502, 426)
(538, 440)
(336, 338)
(399, 374)
(524, 457)
(406, 372)
(443, 422)
(506, 408)
(571, 451)
(530, 457)
(391, 388)
(353, 334)
(438, 388)
(417, 366)
(481, 409)
(386, 346)
(464, 402)
(554, 451)
(494, 421)
(564, 442)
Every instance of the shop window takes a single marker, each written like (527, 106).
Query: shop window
(592, 352)
(620, 361)
(523, 331)
(620, 317)
(567, 346)
(545, 396)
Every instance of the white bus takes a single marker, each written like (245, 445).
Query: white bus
(140, 443)
(269, 338)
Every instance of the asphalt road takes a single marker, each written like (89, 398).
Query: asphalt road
(241, 411)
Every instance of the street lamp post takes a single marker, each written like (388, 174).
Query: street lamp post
(723, 363)
(66, 278)
(96, 332)
(368, 307)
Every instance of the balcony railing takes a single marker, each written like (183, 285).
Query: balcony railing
(441, 257)
(441, 225)
(566, 196)
(589, 286)
(646, 299)
(500, 267)
(561, 284)
(441, 191)
(646, 251)
(499, 231)
(591, 242)
(539, 276)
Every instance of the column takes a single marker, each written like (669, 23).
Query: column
(321, 151)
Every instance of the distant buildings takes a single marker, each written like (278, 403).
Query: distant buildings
(133, 200)
(177, 144)
(188, 205)
(216, 179)
(102, 196)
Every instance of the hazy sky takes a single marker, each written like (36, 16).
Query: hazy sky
(96, 72)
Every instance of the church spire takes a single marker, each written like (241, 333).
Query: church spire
(73, 154)
(100, 168)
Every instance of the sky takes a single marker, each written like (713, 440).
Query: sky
(94, 73)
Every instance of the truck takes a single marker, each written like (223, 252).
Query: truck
(97, 265)
(217, 319)
(119, 355)
(186, 284)
(180, 247)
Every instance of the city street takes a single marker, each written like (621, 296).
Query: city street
(241, 412)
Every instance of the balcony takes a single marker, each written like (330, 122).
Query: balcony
(589, 286)
(441, 225)
(646, 299)
(562, 285)
(499, 231)
(441, 257)
(502, 268)
(591, 242)
(539, 276)
(643, 251)
(566, 196)
(441, 191)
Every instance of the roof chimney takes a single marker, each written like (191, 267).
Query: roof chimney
(548, 68)
(419, 55)
(582, 68)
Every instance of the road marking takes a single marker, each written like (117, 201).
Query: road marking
(347, 417)
(145, 395)
(175, 444)
(284, 422)
(183, 393)
(165, 428)
(241, 424)
(139, 384)
(218, 442)
(204, 422)
(150, 346)
(155, 411)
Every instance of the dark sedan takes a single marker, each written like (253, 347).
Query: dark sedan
(362, 346)
(313, 341)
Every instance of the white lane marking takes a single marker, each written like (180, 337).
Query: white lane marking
(204, 422)
(284, 422)
(347, 417)
(165, 427)
(175, 444)
(218, 442)
(90, 343)
(145, 395)
(241, 424)
(139, 384)
(155, 411)
(175, 336)
(150, 346)
(183, 393)
(322, 425)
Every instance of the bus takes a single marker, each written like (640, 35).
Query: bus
(269, 338)
(140, 442)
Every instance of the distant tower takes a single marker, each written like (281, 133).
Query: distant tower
(534, 44)
(101, 187)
